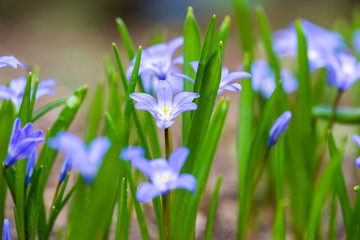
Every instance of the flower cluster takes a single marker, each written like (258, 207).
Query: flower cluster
(16, 88)
(326, 49)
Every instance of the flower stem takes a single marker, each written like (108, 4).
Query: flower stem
(333, 113)
(166, 199)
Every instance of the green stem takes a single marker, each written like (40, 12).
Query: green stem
(166, 199)
(261, 170)
(333, 113)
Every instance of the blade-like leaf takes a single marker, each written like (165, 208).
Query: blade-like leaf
(212, 210)
(47, 108)
(126, 38)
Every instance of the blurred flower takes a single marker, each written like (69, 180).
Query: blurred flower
(166, 107)
(87, 159)
(30, 163)
(343, 70)
(16, 88)
(227, 79)
(263, 79)
(318, 40)
(130, 152)
(278, 128)
(164, 175)
(356, 139)
(66, 167)
(156, 64)
(355, 36)
(6, 231)
(10, 61)
(23, 141)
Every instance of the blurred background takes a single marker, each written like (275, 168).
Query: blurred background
(69, 40)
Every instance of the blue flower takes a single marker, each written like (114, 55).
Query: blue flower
(131, 152)
(166, 107)
(157, 63)
(319, 40)
(279, 127)
(227, 79)
(164, 175)
(23, 141)
(263, 79)
(16, 88)
(87, 159)
(355, 37)
(6, 232)
(356, 139)
(10, 61)
(66, 167)
(30, 163)
(343, 70)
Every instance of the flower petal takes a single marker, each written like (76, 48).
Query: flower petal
(143, 165)
(186, 181)
(183, 107)
(164, 95)
(356, 139)
(30, 163)
(66, 167)
(357, 162)
(146, 191)
(10, 61)
(164, 124)
(177, 159)
(6, 231)
(130, 152)
(68, 143)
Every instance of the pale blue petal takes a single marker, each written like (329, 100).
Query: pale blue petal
(357, 162)
(186, 181)
(279, 127)
(130, 152)
(68, 143)
(66, 167)
(10, 61)
(164, 124)
(97, 150)
(164, 94)
(182, 108)
(30, 163)
(356, 139)
(146, 192)
(177, 159)
(143, 165)
(6, 231)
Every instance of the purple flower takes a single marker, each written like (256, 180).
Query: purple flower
(16, 88)
(66, 167)
(227, 79)
(164, 175)
(87, 159)
(23, 141)
(166, 107)
(355, 36)
(263, 79)
(343, 70)
(278, 128)
(131, 152)
(30, 163)
(157, 64)
(10, 61)
(318, 41)
(356, 139)
(6, 232)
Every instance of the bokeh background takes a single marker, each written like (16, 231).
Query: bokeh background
(69, 40)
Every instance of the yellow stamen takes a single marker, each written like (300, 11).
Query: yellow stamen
(165, 110)
(165, 178)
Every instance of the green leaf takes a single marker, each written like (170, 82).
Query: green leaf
(184, 205)
(212, 210)
(243, 19)
(62, 123)
(343, 115)
(256, 154)
(322, 190)
(266, 36)
(129, 103)
(122, 228)
(33, 98)
(47, 108)
(223, 33)
(129, 47)
(205, 104)
(95, 114)
(191, 51)
(36, 194)
(20, 166)
(6, 122)
(205, 55)
(354, 233)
